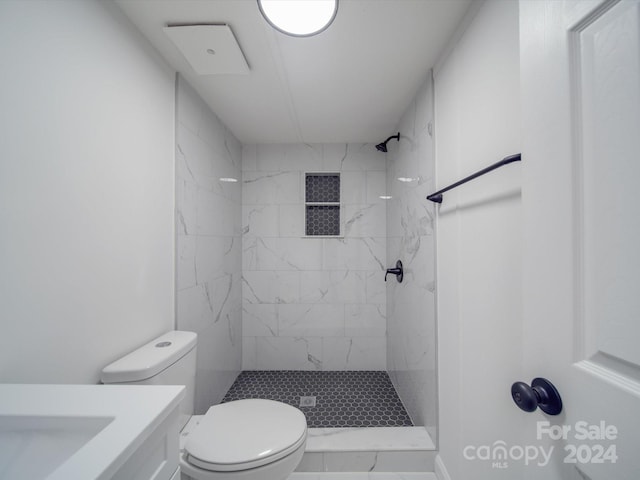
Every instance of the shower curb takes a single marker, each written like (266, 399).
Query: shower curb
(376, 449)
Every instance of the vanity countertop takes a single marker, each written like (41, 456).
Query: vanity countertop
(78, 431)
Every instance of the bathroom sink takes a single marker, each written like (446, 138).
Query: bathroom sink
(35, 446)
(88, 431)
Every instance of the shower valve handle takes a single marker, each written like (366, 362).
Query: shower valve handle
(398, 272)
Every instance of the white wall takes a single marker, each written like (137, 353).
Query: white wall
(313, 303)
(208, 244)
(411, 307)
(86, 175)
(479, 236)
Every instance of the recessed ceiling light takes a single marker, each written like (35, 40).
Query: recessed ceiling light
(228, 179)
(385, 197)
(299, 18)
(406, 179)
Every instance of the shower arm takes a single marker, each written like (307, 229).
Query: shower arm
(382, 147)
(396, 136)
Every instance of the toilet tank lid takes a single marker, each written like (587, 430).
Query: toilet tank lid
(151, 358)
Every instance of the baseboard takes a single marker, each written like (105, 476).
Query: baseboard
(440, 469)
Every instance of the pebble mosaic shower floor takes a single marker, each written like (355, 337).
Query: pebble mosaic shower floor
(342, 398)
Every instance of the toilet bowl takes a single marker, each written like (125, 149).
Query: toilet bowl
(244, 439)
(252, 439)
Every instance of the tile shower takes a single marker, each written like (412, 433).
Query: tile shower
(252, 283)
(208, 242)
(313, 303)
(411, 306)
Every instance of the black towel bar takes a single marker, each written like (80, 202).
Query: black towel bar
(437, 196)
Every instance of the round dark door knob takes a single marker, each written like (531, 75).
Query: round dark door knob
(541, 393)
(524, 396)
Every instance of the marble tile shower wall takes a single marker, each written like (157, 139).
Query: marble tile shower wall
(209, 264)
(410, 222)
(313, 303)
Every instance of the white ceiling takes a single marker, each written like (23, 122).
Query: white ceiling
(351, 83)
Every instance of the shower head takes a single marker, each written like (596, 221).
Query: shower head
(382, 147)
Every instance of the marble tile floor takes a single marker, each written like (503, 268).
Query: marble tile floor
(342, 398)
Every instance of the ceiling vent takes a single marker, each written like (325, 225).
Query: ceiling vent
(209, 49)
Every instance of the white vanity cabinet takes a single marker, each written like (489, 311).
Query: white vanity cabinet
(62, 432)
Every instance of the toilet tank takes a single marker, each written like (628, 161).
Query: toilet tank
(168, 360)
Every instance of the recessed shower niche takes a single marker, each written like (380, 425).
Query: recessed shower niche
(322, 204)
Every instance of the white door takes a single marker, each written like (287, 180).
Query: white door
(580, 67)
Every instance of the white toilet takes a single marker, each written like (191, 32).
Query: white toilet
(251, 439)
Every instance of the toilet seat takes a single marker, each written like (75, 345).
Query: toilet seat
(245, 434)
